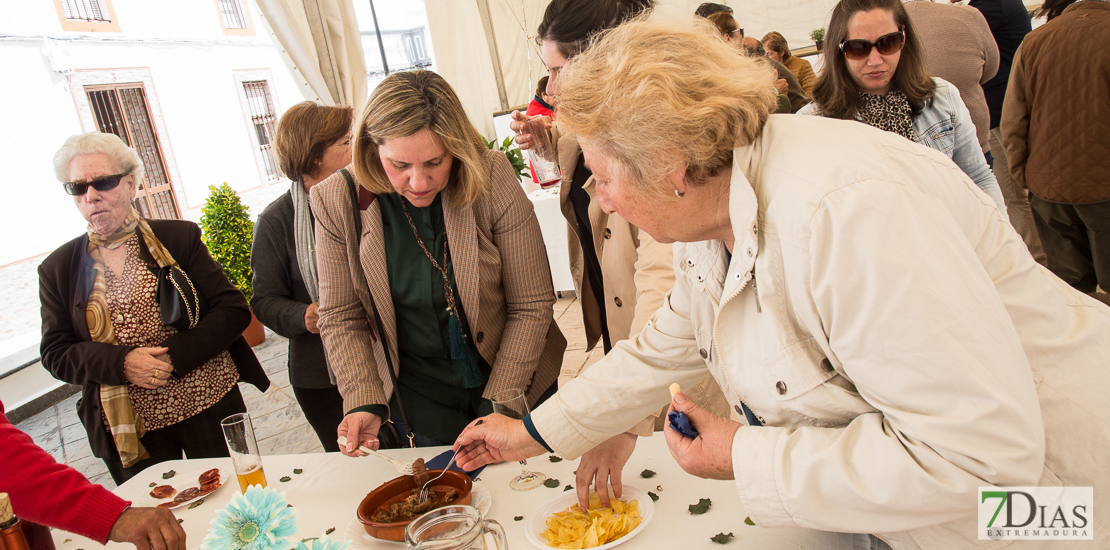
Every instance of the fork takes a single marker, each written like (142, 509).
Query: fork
(426, 487)
(405, 468)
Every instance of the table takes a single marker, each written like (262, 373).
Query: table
(331, 486)
(554, 228)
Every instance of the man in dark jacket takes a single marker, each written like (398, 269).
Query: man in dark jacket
(1009, 23)
(1054, 128)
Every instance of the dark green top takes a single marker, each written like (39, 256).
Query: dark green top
(431, 383)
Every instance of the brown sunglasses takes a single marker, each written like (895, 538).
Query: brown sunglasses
(887, 44)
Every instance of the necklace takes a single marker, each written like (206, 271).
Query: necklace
(458, 348)
(442, 269)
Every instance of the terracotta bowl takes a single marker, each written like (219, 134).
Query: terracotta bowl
(398, 488)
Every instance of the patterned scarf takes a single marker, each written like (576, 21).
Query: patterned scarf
(115, 401)
(890, 112)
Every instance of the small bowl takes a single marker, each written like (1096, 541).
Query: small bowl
(394, 489)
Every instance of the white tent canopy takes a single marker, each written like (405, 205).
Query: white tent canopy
(320, 41)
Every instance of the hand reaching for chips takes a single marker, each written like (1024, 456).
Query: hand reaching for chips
(573, 528)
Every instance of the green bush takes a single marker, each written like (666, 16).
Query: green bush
(227, 230)
(516, 156)
(817, 34)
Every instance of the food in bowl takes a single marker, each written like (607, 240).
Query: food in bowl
(405, 488)
(573, 528)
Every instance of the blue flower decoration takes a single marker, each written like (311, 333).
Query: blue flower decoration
(324, 544)
(260, 519)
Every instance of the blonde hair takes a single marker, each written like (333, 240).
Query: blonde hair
(403, 105)
(304, 133)
(653, 95)
(125, 159)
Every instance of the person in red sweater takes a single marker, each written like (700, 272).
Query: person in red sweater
(540, 105)
(55, 495)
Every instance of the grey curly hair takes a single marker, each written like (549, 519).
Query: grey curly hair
(125, 159)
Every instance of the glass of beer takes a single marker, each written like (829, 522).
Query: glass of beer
(239, 433)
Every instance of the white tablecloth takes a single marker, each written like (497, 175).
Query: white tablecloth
(331, 486)
(554, 228)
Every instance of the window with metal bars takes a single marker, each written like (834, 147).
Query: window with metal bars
(84, 10)
(264, 120)
(233, 14)
(122, 109)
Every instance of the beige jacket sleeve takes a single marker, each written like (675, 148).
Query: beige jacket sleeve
(1015, 121)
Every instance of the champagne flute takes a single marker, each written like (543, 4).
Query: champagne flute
(512, 404)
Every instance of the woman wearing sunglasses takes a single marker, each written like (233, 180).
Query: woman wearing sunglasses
(876, 75)
(150, 391)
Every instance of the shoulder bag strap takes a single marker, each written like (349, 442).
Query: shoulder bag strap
(352, 187)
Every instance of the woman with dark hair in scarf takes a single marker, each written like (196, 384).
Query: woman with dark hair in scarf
(875, 73)
(312, 142)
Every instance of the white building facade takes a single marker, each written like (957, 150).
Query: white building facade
(196, 86)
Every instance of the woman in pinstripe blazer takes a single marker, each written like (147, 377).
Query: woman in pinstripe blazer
(450, 256)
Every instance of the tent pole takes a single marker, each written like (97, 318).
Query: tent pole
(378, 33)
(491, 41)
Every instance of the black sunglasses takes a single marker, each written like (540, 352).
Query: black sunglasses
(78, 188)
(887, 44)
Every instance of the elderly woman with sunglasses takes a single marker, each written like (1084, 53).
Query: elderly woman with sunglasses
(882, 331)
(150, 390)
(877, 76)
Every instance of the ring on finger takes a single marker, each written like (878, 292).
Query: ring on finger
(153, 380)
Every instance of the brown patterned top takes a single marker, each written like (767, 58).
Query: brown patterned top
(136, 318)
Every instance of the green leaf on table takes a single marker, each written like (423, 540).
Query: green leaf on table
(701, 507)
(554, 458)
(195, 504)
(284, 479)
(310, 538)
(169, 474)
(152, 484)
(721, 538)
(567, 488)
(297, 471)
(647, 473)
(67, 540)
(552, 483)
(654, 497)
(329, 531)
(179, 520)
(518, 518)
(748, 521)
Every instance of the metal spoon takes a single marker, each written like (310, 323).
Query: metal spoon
(426, 487)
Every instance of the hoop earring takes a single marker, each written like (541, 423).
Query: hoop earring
(678, 193)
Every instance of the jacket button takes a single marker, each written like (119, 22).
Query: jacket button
(689, 262)
(781, 387)
(608, 233)
(739, 411)
(704, 354)
(826, 365)
(749, 253)
(617, 300)
(479, 337)
(701, 278)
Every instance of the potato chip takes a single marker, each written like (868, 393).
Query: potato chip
(573, 528)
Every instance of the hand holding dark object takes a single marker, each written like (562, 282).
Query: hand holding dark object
(148, 529)
(360, 428)
(603, 465)
(710, 454)
(498, 439)
(147, 368)
(311, 317)
(679, 422)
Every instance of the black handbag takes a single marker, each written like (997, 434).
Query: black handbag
(182, 307)
(388, 437)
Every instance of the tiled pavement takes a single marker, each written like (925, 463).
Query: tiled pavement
(279, 424)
